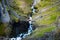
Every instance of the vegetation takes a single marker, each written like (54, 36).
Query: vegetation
(47, 14)
(39, 32)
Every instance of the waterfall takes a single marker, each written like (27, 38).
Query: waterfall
(24, 35)
(33, 5)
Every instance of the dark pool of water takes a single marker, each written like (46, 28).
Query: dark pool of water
(19, 27)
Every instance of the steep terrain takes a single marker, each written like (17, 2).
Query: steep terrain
(46, 18)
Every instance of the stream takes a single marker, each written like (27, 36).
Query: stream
(6, 18)
(23, 29)
(24, 35)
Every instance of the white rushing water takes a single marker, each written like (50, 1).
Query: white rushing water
(22, 35)
(35, 2)
(28, 33)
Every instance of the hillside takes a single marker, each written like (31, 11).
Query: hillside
(45, 18)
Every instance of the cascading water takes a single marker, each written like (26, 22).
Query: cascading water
(34, 3)
(24, 35)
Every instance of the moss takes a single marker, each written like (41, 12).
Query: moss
(40, 31)
(46, 20)
(29, 1)
(2, 28)
(53, 17)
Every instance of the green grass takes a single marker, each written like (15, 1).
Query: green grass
(29, 1)
(43, 4)
(51, 18)
(40, 31)
(2, 30)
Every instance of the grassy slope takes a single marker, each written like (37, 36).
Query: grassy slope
(40, 31)
(2, 28)
(49, 18)
(25, 9)
(46, 20)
